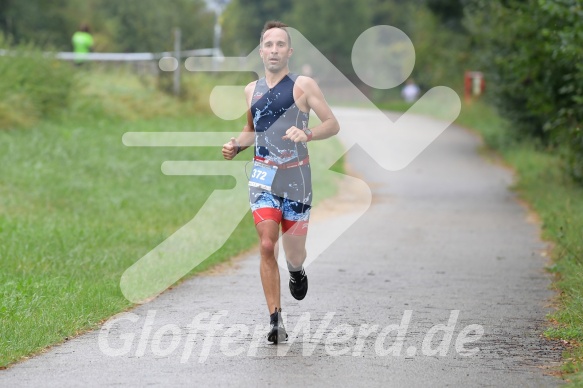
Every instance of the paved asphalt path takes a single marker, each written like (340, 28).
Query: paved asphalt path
(445, 242)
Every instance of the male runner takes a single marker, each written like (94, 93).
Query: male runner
(280, 183)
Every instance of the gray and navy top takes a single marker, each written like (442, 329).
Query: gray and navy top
(274, 111)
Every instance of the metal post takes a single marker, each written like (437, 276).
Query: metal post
(177, 37)
(216, 38)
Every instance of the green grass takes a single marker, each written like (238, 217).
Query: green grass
(77, 208)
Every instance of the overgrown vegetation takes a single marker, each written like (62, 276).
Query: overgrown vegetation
(32, 87)
(532, 54)
(35, 87)
(127, 26)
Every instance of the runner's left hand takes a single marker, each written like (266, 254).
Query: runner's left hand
(296, 135)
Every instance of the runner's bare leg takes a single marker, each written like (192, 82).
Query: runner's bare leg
(295, 249)
(268, 231)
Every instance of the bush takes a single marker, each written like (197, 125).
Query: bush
(532, 53)
(32, 86)
(563, 33)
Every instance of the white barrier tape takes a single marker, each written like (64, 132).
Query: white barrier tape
(126, 57)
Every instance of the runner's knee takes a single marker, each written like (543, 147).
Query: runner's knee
(267, 246)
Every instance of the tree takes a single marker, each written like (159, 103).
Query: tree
(37, 21)
(450, 12)
(532, 50)
(147, 25)
(332, 28)
(243, 21)
(129, 25)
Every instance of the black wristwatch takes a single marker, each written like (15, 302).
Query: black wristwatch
(308, 133)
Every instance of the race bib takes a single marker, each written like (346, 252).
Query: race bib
(262, 175)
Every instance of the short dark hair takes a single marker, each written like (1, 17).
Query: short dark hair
(275, 24)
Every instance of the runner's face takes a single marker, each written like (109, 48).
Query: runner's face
(275, 50)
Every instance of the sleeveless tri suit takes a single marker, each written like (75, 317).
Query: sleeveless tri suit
(289, 199)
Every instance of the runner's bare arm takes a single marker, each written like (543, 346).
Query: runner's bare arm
(315, 100)
(247, 136)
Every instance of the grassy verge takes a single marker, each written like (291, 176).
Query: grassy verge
(77, 207)
(544, 184)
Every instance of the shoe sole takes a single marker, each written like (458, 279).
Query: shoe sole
(296, 296)
(275, 337)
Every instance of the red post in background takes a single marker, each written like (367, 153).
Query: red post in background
(474, 85)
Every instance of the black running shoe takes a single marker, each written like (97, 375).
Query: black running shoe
(298, 284)
(277, 331)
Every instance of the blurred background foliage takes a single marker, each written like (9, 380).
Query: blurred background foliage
(117, 26)
(530, 50)
(532, 54)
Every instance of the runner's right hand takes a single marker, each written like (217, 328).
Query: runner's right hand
(230, 149)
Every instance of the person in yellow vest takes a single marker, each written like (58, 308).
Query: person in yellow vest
(82, 43)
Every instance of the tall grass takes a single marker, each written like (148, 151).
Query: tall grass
(32, 86)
